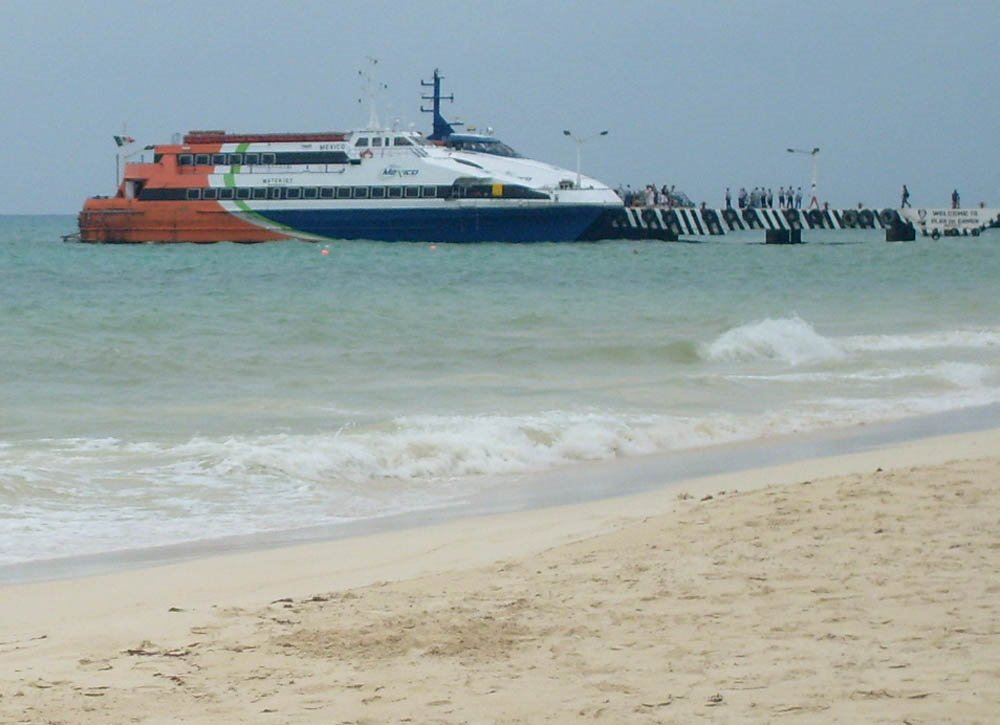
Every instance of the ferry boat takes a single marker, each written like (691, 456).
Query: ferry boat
(376, 184)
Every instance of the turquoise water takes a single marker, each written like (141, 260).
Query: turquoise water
(167, 394)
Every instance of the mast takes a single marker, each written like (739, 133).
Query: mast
(372, 86)
(442, 129)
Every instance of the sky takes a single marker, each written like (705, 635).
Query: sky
(698, 94)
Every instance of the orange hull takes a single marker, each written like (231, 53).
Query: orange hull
(118, 220)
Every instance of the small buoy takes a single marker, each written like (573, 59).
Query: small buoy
(325, 252)
(433, 247)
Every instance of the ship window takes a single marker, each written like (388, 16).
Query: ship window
(310, 192)
(402, 141)
(275, 192)
(193, 194)
(209, 193)
(243, 192)
(201, 160)
(219, 160)
(311, 157)
(260, 192)
(251, 158)
(227, 193)
(267, 158)
(376, 142)
(360, 192)
(235, 159)
(326, 192)
(395, 192)
(412, 192)
(378, 192)
(363, 141)
(428, 191)
(185, 159)
(343, 192)
(293, 192)
(157, 158)
(159, 194)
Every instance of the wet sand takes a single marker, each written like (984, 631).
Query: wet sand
(861, 587)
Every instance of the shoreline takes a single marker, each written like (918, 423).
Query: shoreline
(584, 482)
(452, 618)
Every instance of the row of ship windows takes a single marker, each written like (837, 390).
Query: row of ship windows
(297, 192)
(267, 159)
(506, 191)
(377, 141)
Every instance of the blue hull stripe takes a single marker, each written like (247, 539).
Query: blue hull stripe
(561, 223)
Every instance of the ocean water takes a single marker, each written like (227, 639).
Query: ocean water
(158, 395)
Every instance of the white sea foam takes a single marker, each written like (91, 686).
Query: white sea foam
(959, 374)
(790, 340)
(103, 495)
(795, 341)
(964, 375)
(972, 339)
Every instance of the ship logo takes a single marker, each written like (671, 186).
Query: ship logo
(394, 170)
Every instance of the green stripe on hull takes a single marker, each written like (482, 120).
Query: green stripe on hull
(230, 179)
(262, 221)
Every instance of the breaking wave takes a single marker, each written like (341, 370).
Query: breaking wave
(790, 340)
(796, 342)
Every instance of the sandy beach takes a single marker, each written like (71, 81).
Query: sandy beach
(860, 588)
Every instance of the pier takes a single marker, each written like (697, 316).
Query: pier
(787, 225)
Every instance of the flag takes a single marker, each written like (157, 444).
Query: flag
(124, 140)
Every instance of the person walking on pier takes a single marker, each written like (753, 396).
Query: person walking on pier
(906, 197)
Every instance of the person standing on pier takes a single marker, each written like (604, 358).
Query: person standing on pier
(729, 199)
(814, 200)
(954, 199)
(906, 197)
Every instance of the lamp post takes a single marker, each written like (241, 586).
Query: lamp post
(815, 171)
(580, 142)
